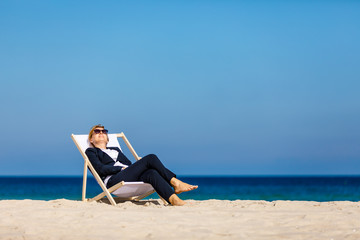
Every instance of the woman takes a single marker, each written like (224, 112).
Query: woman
(113, 167)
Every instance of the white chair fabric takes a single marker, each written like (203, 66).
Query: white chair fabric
(83, 141)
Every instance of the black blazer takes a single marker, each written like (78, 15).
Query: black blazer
(103, 163)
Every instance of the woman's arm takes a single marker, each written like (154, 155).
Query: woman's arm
(102, 169)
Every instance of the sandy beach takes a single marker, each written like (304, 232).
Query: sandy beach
(150, 219)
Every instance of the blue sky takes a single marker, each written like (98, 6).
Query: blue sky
(211, 87)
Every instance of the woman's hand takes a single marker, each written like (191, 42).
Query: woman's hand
(123, 168)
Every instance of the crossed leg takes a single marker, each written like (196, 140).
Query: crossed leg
(150, 170)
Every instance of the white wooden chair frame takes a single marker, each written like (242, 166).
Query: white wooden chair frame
(106, 191)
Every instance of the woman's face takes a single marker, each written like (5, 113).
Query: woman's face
(99, 136)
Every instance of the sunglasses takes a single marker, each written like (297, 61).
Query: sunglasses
(104, 131)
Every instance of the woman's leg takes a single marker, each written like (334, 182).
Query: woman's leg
(134, 171)
(149, 169)
(153, 162)
(161, 186)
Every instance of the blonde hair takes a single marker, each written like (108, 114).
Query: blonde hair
(92, 132)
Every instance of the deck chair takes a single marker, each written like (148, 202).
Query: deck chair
(123, 190)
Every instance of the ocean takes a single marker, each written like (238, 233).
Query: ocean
(269, 188)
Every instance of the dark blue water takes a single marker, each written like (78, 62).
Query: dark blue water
(330, 188)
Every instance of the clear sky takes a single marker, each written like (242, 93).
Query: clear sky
(211, 87)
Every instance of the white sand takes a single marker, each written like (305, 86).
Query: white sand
(212, 219)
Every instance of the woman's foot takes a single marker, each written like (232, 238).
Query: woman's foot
(176, 201)
(180, 186)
